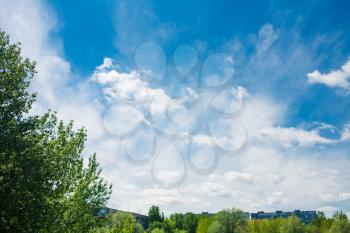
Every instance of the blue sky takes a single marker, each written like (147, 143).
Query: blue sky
(253, 95)
(89, 34)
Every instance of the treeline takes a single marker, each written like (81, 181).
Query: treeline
(226, 221)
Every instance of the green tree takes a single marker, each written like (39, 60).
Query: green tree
(121, 222)
(169, 225)
(157, 230)
(155, 215)
(340, 223)
(293, 224)
(317, 221)
(266, 225)
(254, 226)
(320, 224)
(230, 221)
(178, 218)
(215, 227)
(190, 222)
(44, 186)
(312, 229)
(179, 231)
(203, 224)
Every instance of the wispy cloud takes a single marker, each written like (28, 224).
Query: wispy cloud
(136, 23)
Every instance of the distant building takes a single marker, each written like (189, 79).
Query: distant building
(305, 216)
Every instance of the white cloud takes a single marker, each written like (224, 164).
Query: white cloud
(292, 137)
(29, 22)
(128, 87)
(266, 127)
(263, 177)
(345, 135)
(233, 176)
(336, 78)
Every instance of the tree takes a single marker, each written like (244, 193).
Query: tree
(317, 221)
(229, 221)
(293, 224)
(120, 222)
(266, 225)
(178, 218)
(215, 227)
(155, 215)
(320, 224)
(44, 186)
(190, 222)
(203, 224)
(340, 223)
(187, 222)
(340, 216)
(157, 230)
(169, 225)
(179, 231)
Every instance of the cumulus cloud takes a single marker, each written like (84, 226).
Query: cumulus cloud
(127, 86)
(336, 78)
(262, 177)
(131, 87)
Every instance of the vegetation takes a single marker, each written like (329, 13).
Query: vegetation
(155, 215)
(229, 220)
(236, 221)
(44, 186)
(120, 222)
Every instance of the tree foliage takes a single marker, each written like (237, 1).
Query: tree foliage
(340, 224)
(203, 224)
(155, 215)
(293, 224)
(121, 222)
(157, 230)
(266, 225)
(230, 221)
(44, 185)
(234, 220)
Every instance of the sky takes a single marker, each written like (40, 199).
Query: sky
(202, 105)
